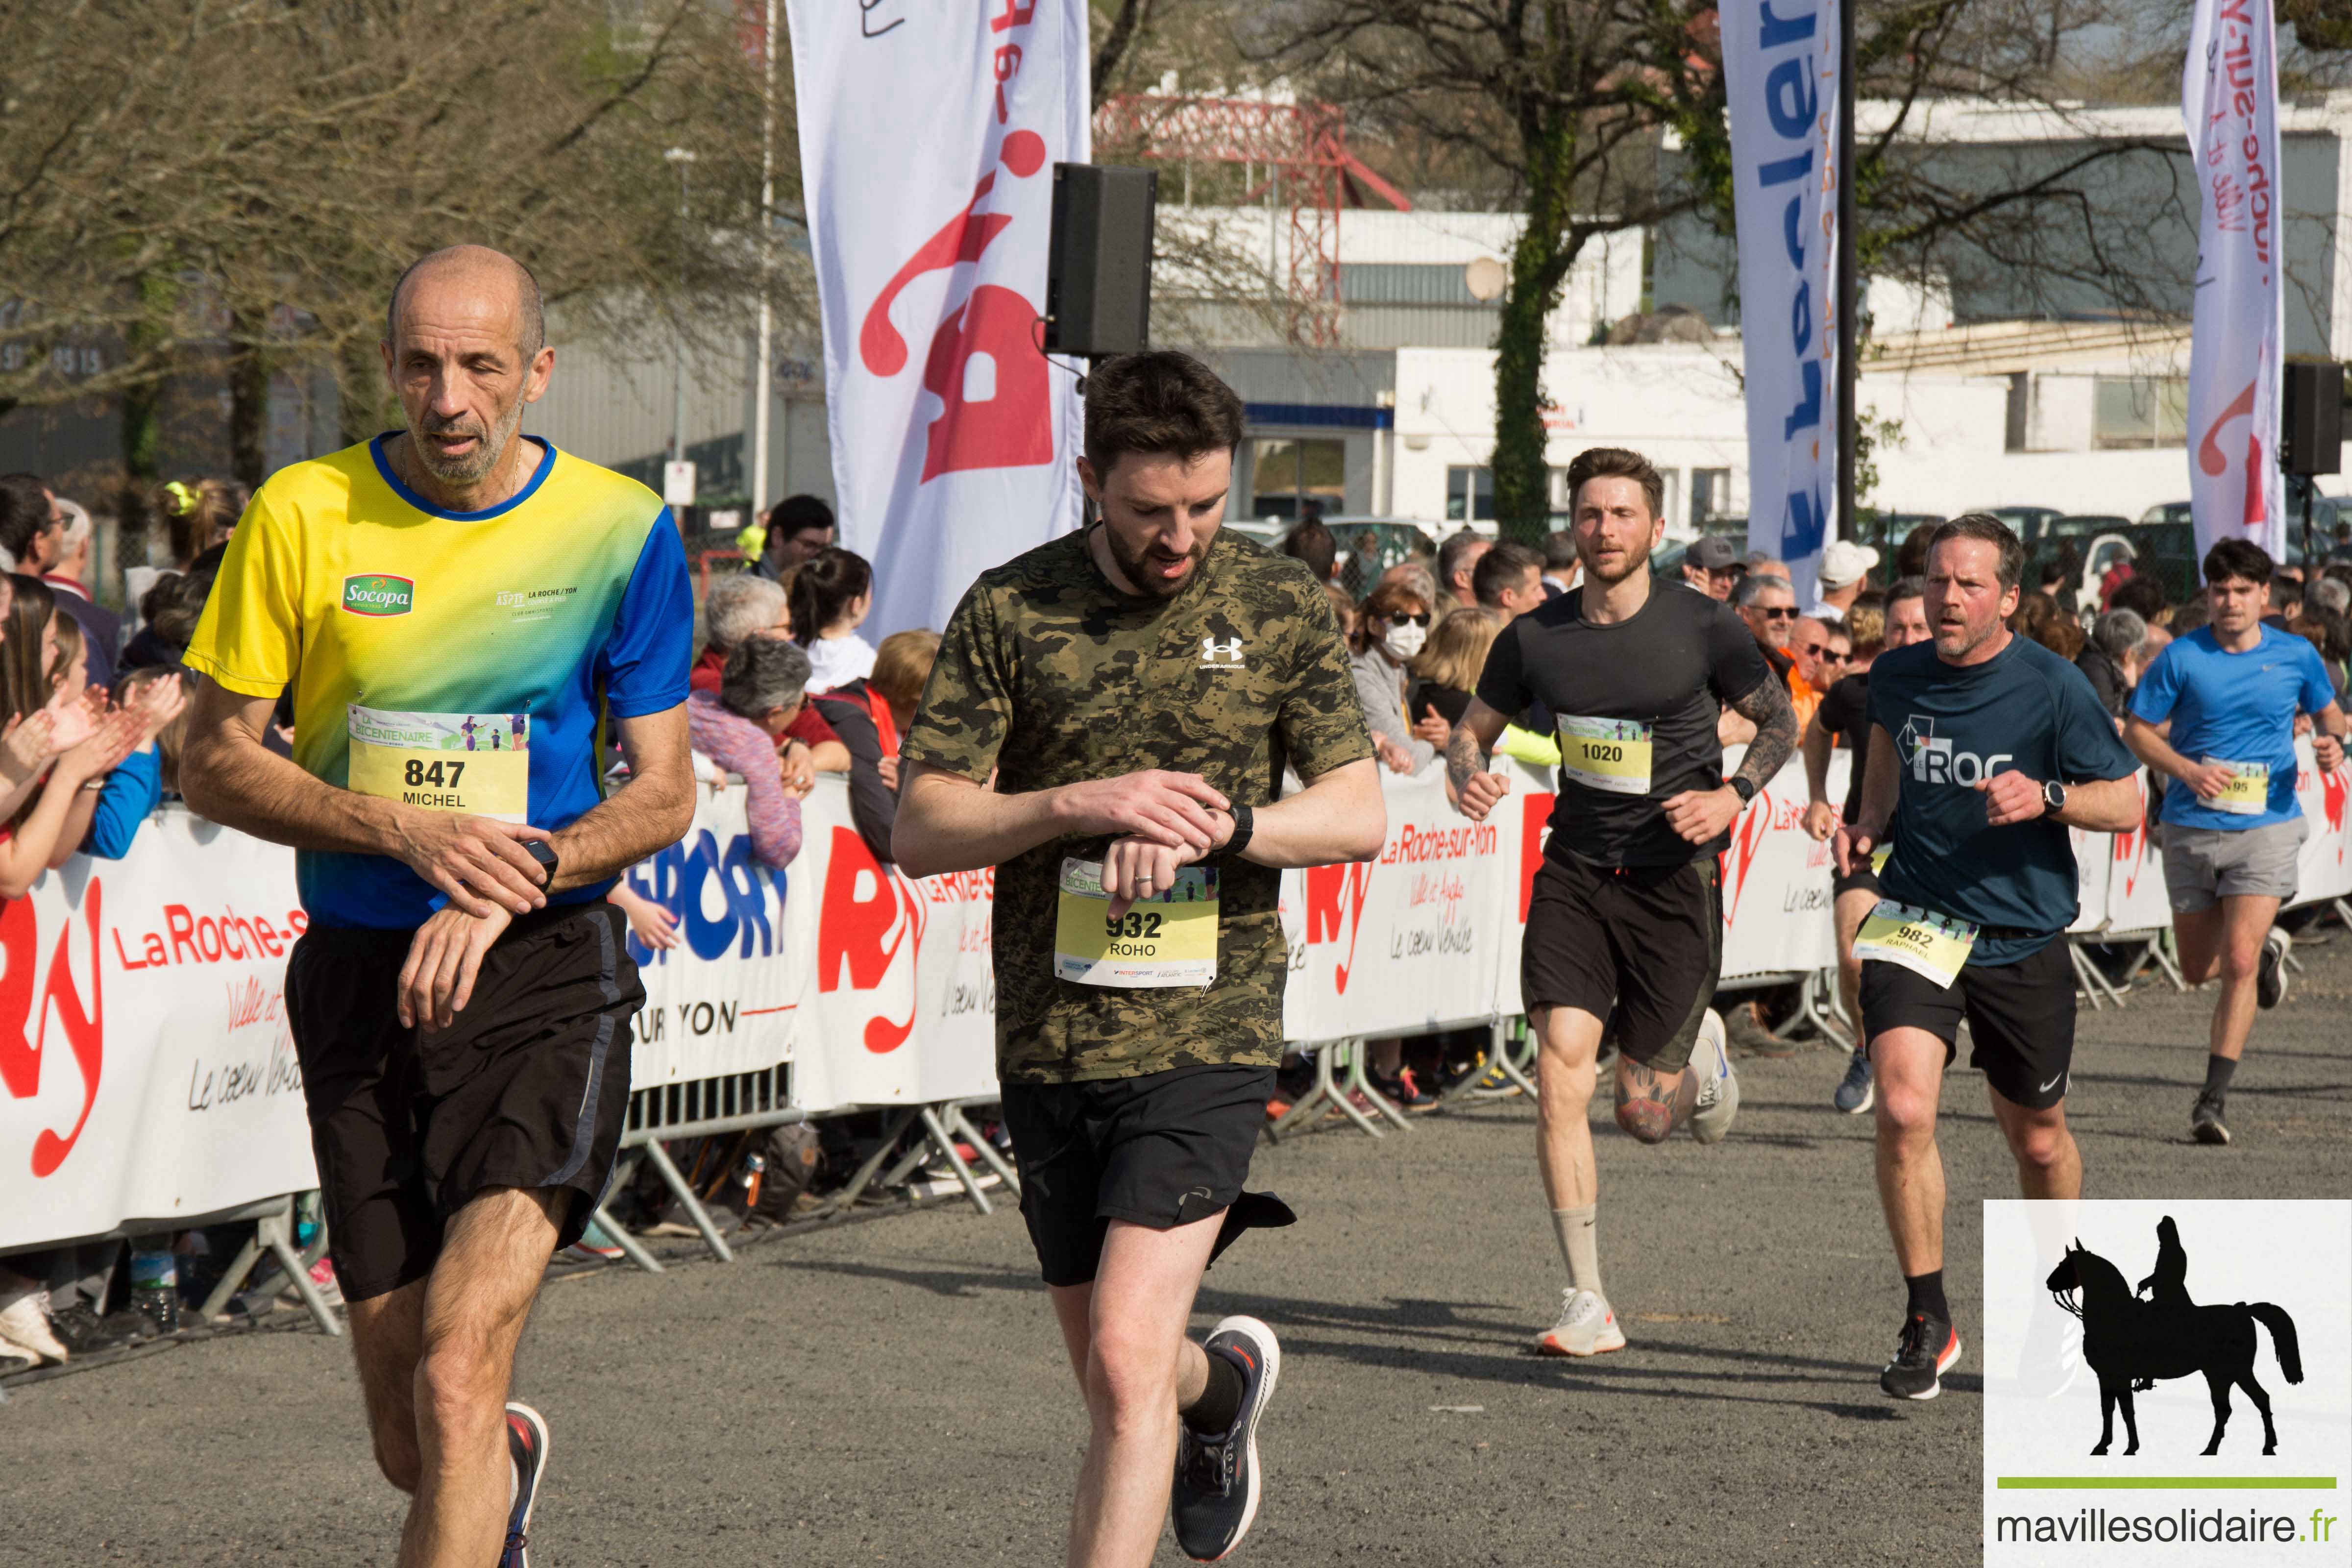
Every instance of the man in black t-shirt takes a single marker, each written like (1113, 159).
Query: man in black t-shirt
(1625, 927)
(1844, 718)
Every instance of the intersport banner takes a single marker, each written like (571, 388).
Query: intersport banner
(147, 1075)
(928, 141)
(1780, 83)
(2229, 99)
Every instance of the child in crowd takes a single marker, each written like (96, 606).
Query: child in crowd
(830, 597)
(59, 745)
(159, 699)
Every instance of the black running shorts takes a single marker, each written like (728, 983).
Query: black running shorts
(1161, 1149)
(529, 1087)
(2021, 1018)
(1861, 880)
(1638, 947)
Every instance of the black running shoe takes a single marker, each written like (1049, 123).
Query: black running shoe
(1930, 1346)
(1217, 1478)
(2270, 974)
(2205, 1121)
(527, 1446)
(85, 1333)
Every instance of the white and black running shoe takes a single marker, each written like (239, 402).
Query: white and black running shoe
(2270, 974)
(1218, 1480)
(527, 1446)
(2205, 1123)
(1929, 1347)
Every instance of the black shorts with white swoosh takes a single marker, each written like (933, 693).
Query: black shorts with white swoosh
(2021, 1017)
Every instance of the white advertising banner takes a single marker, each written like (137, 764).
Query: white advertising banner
(147, 1074)
(2229, 100)
(146, 1071)
(927, 144)
(1780, 81)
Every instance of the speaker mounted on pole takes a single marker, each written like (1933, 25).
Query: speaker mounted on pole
(2311, 440)
(1098, 260)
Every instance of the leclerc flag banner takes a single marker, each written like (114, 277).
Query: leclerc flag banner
(1781, 78)
(928, 141)
(2228, 97)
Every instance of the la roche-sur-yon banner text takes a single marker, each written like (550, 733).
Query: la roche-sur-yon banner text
(928, 141)
(1781, 80)
(2229, 99)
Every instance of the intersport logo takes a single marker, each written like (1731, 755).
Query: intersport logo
(378, 594)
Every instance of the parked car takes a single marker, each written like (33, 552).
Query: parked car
(2027, 521)
(2325, 512)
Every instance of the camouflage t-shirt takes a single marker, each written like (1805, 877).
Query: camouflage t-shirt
(1053, 676)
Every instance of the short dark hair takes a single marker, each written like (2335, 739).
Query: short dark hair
(1559, 550)
(1906, 588)
(1982, 525)
(2239, 558)
(1312, 543)
(2285, 591)
(1500, 568)
(24, 512)
(2142, 594)
(1159, 402)
(796, 514)
(1618, 463)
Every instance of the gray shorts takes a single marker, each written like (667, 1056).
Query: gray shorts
(2202, 864)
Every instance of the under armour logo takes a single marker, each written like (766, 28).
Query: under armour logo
(1221, 655)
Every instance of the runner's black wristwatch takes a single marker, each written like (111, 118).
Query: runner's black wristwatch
(2054, 796)
(1744, 788)
(1244, 824)
(543, 852)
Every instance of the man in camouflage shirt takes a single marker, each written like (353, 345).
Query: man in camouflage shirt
(1108, 723)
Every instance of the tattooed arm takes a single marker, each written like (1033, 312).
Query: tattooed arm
(1473, 789)
(1698, 815)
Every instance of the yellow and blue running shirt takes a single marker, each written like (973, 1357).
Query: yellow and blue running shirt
(460, 661)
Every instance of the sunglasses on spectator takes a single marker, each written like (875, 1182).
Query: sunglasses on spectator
(1780, 613)
(1400, 616)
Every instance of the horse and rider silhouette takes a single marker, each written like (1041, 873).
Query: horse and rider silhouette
(2130, 1344)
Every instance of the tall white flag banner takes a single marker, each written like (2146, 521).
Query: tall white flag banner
(1781, 78)
(2229, 99)
(928, 141)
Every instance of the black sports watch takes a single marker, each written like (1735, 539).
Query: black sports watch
(1744, 788)
(540, 850)
(2054, 796)
(1244, 824)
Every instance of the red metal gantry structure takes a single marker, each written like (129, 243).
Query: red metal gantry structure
(1304, 147)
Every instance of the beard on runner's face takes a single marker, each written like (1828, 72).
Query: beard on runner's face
(1154, 568)
(477, 461)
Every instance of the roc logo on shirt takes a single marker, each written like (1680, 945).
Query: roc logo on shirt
(1932, 759)
(379, 595)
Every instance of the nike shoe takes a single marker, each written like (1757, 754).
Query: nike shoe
(1218, 1479)
(527, 1446)
(1718, 1086)
(1928, 1348)
(1586, 1327)
(24, 1323)
(2270, 977)
(2205, 1121)
(1856, 1091)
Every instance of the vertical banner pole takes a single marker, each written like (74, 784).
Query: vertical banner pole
(1848, 411)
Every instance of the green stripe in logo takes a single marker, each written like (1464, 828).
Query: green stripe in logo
(378, 595)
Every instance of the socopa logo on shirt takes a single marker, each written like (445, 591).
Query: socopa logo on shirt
(377, 594)
(1932, 760)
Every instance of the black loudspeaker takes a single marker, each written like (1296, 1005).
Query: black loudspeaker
(1098, 260)
(2311, 440)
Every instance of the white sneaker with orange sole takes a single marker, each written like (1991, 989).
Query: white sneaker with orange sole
(1586, 1327)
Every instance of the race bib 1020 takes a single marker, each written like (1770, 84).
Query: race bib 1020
(1612, 754)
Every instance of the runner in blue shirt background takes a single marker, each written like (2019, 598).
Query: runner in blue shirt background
(2217, 711)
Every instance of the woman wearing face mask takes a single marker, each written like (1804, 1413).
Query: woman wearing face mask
(1390, 629)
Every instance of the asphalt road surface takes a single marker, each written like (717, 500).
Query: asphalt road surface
(893, 1391)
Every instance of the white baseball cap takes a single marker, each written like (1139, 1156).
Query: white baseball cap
(1844, 562)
